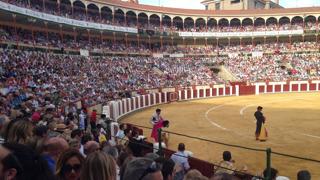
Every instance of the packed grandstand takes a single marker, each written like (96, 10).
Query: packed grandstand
(60, 58)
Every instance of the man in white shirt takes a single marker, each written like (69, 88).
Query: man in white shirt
(156, 117)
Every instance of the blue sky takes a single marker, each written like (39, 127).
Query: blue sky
(195, 4)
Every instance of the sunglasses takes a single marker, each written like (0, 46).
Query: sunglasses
(154, 167)
(68, 168)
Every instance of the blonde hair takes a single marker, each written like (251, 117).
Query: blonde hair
(99, 166)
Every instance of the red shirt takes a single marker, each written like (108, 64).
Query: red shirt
(93, 117)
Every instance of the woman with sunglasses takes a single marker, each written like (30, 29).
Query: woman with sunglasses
(69, 165)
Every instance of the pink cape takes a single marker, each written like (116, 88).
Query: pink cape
(155, 128)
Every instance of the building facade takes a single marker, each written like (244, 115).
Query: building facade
(240, 4)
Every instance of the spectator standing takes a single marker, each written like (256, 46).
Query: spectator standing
(181, 159)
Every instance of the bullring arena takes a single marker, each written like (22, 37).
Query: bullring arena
(292, 122)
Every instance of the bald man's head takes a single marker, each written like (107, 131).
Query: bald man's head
(55, 146)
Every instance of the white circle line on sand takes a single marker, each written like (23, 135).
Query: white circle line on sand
(256, 104)
(212, 122)
(309, 135)
(297, 98)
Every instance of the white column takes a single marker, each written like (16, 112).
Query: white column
(317, 88)
(130, 105)
(139, 102)
(224, 90)
(257, 89)
(265, 88)
(211, 89)
(149, 99)
(191, 94)
(160, 98)
(290, 87)
(115, 110)
(154, 98)
(237, 90)
(198, 93)
(134, 103)
(179, 95)
(217, 91)
(299, 87)
(231, 88)
(144, 100)
(273, 88)
(165, 97)
(204, 92)
(308, 86)
(282, 88)
(125, 106)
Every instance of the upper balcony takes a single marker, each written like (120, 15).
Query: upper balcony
(173, 20)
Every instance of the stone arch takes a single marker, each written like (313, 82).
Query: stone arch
(271, 21)
(247, 22)
(106, 15)
(297, 20)
(188, 23)
(93, 12)
(131, 18)
(143, 19)
(212, 23)
(200, 23)
(65, 7)
(178, 22)
(235, 22)
(154, 20)
(258, 22)
(223, 22)
(79, 10)
(119, 16)
(284, 20)
(166, 21)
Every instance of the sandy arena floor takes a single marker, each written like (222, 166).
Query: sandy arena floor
(293, 123)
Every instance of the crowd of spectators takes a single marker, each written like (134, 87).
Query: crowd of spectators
(92, 14)
(275, 67)
(46, 134)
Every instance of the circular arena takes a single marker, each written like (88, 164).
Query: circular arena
(80, 82)
(291, 122)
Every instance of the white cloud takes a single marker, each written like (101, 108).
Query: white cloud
(299, 3)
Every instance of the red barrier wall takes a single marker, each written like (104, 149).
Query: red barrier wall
(269, 88)
(195, 93)
(246, 90)
(303, 87)
(294, 87)
(182, 95)
(207, 92)
(188, 94)
(313, 87)
(201, 93)
(147, 100)
(277, 88)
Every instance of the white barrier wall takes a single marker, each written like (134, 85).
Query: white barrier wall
(122, 107)
(119, 108)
